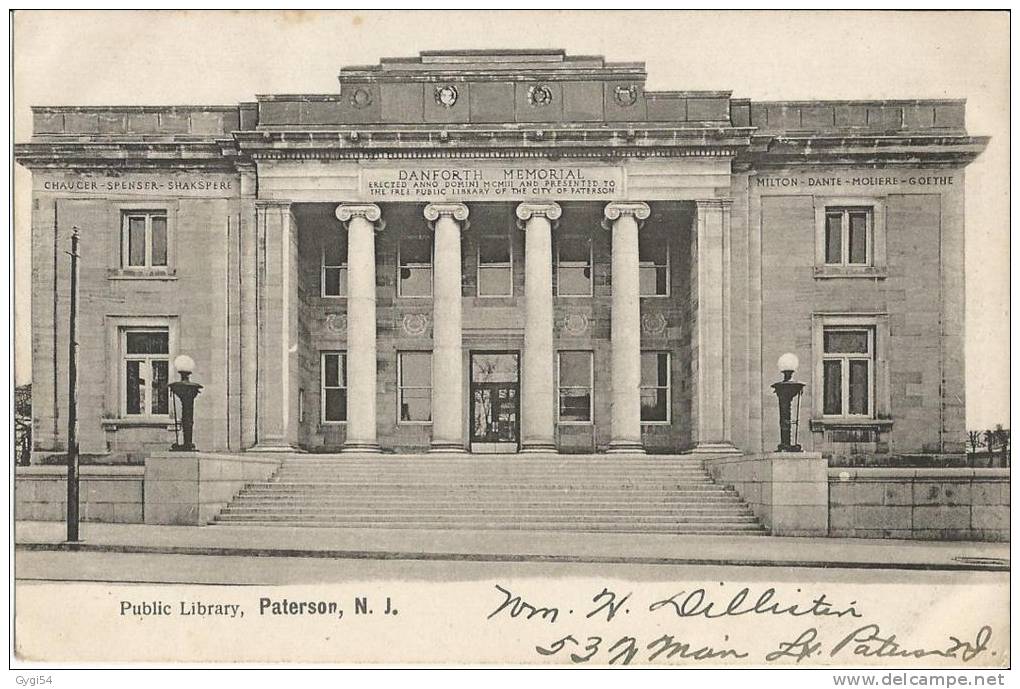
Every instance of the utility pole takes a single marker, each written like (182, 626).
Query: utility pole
(72, 400)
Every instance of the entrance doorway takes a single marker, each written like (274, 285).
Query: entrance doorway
(495, 401)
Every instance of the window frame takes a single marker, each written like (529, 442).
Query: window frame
(668, 387)
(148, 213)
(124, 357)
(509, 266)
(401, 387)
(876, 266)
(845, 243)
(666, 267)
(880, 403)
(844, 358)
(323, 387)
(323, 267)
(430, 265)
(557, 264)
(590, 388)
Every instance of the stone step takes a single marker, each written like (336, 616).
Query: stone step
(505, 503)
(459, 482)
(714, 528)
(468, 511)
(628, 494)
(694, 510)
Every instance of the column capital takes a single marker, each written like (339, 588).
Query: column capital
(281, 204)
(720, 204)
(457, 211)
(638, 209)
(551, 210)
(369, 211)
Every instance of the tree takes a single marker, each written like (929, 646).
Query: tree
(23, 400)
(22, 424)
(974, 438)
(989, 436)
(1002, 439)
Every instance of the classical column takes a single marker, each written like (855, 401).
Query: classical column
(538, 391)
(710, 334)
(276, 413)
(249, 330)
(447, 346)
(361, 220)
(625, 220)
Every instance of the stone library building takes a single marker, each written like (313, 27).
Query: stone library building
(500, 259)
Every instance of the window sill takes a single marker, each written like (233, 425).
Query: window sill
(656, 423)
(143, 422)
(829, 423)
(837, 272)
(574, 423)
(122, 274)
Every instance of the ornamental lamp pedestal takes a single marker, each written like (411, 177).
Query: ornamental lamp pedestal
(185, 392)
(787, 391)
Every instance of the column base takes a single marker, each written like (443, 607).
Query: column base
(538, 447)
(625, 447)
(447, 448)
(270, 446)
(714, 449)
(360, 448)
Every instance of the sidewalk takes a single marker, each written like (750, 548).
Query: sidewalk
(518, 546)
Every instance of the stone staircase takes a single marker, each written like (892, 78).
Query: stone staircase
(578, 493)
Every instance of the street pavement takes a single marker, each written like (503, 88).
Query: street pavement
(515, 547)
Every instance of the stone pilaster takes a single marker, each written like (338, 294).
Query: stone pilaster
(538, 392)
(361, 221)
(277, 310)
(446, 220)
(625, 220)
(710, 335)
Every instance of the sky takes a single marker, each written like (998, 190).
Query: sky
(208, 58)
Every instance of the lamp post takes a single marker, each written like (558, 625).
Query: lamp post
(186, 391)
(788, 390)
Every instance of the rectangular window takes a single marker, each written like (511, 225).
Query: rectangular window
(414, 381)
(653, 254)
(655, 387)
(334, 267)
(334, 387)
(848, 371)
(414, 258)
(146, 366)
(144, 239)
(848, 236)
(573, 266)
(495, 269)
(575, 387)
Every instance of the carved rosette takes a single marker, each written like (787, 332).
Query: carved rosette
(415, 324)
(336, 322)
(575, 324)
(653, 323)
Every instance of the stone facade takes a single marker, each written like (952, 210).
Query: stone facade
(745, 198)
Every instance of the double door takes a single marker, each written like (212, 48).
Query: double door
(495, 402)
